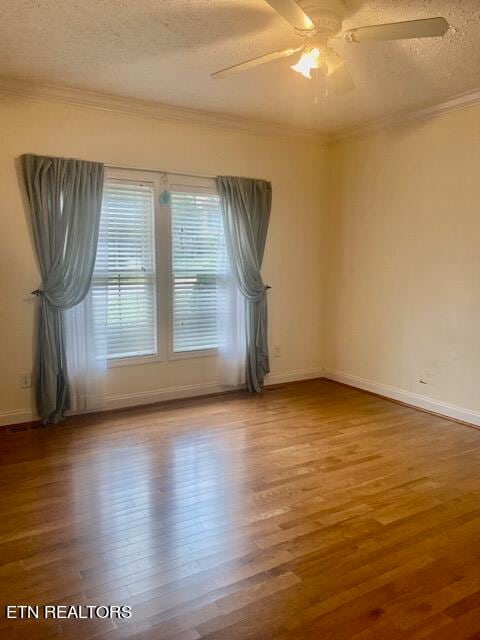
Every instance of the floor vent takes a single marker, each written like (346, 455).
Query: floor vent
(23, 426)
(20, 427)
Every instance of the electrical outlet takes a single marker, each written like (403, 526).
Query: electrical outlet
(277, 352)
(25, 380)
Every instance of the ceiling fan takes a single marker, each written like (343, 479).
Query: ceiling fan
(317, 23)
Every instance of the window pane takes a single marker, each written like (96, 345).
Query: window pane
(125, 266)
(198, 259)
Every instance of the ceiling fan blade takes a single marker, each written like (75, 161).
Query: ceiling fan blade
(339, 80)
(292, 13)
(254, 62)
(428, 28)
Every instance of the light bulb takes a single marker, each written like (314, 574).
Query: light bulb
(308, 60)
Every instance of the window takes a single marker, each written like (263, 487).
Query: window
(158, 284)
(198, 259)
(125, 267)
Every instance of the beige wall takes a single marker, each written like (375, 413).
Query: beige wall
(388, 270)
(293, 259)
(403, 277)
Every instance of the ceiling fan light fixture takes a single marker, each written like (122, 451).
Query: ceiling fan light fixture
(309, 60)
(319, 21)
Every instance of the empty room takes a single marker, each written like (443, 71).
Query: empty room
(239, 319)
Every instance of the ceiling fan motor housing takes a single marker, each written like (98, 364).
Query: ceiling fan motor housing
(327, 15)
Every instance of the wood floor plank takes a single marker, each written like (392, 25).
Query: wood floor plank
(312, 510)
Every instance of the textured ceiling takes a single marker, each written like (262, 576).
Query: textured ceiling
(164, 50)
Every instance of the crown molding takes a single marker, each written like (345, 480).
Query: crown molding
(156, 110)
(454, 103)
(216, 120)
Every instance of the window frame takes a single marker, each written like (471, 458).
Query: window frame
(164, 291)
(205, 185)
(159, 239)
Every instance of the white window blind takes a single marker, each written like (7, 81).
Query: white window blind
(125, 266)
(198, 262)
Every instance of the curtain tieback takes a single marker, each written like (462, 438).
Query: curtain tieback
(267, 286)
(38, 292)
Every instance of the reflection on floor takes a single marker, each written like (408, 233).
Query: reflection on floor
(312, 511)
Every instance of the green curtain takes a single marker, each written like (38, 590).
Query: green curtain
(65, 198)
(246, 205)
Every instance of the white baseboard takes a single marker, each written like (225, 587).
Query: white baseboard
(408, 397)
(158, 395)
(16, 416)
(293, 376)
(174, 393)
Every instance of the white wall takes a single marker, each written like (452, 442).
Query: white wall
(293, 259)
(403, 277)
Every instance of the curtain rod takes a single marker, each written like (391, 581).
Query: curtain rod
(173, 173)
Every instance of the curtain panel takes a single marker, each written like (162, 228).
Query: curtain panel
(65, 198)
(246, 205)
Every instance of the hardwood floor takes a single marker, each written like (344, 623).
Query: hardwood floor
(312, 511)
